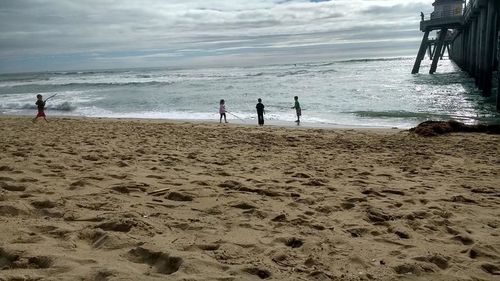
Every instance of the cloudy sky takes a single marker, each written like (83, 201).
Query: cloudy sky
(38, 35)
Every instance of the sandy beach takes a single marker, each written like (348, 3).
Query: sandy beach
(103, 199)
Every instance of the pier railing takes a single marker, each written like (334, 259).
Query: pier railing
(450, 19)
(446, 14)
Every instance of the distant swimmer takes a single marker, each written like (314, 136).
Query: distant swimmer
(297, 109)
(222, 111)
(40, 103)
(260, 112)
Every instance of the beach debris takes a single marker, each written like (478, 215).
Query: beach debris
(159, 191)
(435, 128)
(100, 240)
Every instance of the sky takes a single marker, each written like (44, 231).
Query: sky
(49, 35)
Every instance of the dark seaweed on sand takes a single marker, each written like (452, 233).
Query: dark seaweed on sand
(435, 128)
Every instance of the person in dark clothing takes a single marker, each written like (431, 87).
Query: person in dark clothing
(298, 110)
(40, 103)
(260, 112)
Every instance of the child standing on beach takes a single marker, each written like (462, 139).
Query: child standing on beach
(297, 109)
(260, 112)
(222, 111)
(40, 103)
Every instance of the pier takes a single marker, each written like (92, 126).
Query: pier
(470, 33)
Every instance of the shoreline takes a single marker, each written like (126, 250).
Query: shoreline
(269, 123)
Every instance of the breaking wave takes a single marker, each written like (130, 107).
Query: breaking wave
(65, 106)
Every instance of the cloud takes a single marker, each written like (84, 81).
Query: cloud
(41, 33)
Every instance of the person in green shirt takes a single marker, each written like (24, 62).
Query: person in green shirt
(297, 109)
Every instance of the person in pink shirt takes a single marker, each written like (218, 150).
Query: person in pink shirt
(222, 111)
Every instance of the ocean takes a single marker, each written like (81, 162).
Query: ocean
(352, 93)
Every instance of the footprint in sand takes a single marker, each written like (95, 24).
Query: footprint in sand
(244, 206)
(6, 169)
(316, 182)
(101, 274)
(162, 262)
(486, 251)
(301, 176)
(261, 273)
(43, 204)
(491, 268)
(121, 225)
(78, 184)
(12, 187)
(357, 231)
(279, 218)
(294, 242)
(11, 259)
(439, 260)
(8, 210)
(347, 205)
(231, 184)
(176, 196)
(464, 239)
(415, 268)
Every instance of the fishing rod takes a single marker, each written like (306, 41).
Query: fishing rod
(278, 106)
(236, 116)
(50, 97)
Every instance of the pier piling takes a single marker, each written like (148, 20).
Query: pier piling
(421, 53)
(437, 52)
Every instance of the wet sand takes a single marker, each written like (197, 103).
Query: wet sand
(92, 199)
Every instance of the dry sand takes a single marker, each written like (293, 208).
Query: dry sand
(90, 199)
